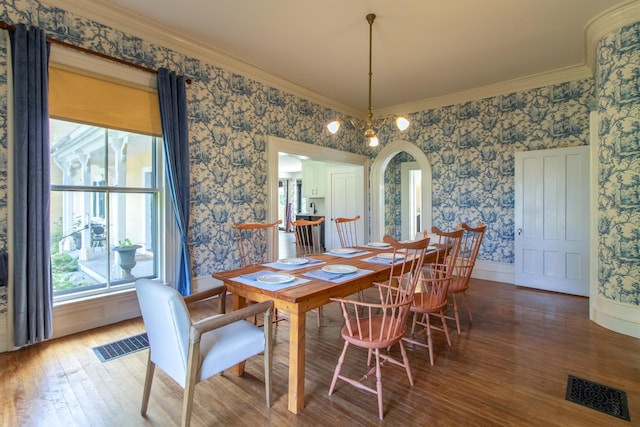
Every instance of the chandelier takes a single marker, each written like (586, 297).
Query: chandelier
(370, 134)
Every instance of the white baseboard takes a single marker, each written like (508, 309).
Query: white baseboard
(495, 271)
(205, 282)
(4, 333)
(616, 316)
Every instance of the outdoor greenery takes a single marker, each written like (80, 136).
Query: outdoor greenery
(56, 236)
(124, 244)
(65, 274)
(63, 262)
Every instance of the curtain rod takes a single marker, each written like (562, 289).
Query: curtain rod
(9, 27)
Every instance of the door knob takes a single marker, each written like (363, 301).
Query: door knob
(519, 231)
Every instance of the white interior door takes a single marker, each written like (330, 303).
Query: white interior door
(345, 201)
(552, 219)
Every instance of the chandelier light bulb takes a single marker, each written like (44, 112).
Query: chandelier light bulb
(333, 126)
(373, 141)
(402, 123)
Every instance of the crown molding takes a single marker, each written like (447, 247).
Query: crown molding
(151, 31)
(562, 75)
(154, 32)
(608, 21)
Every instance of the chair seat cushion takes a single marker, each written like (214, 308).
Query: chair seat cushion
(380, 337)
(233, 343)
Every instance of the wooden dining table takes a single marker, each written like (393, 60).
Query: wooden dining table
(299, 299)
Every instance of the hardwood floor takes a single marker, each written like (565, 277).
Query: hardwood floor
(509, 368)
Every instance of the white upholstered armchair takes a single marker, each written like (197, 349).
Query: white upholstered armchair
(192, 352)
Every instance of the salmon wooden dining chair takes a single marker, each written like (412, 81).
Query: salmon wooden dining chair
(308, 236)
(347, 232)
(431, 295)
(191, 352)
(380, 325)
(463, 268)
(348, 236)
(257, 243)
(309, 241)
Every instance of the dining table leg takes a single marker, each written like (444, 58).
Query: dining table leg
(238, 303)
(296, 360)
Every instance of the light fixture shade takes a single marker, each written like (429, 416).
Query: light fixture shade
(333, 126)
(402, 123)
(374, 141)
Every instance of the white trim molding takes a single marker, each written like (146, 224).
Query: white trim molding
(118, 18)
(70, 317)
(277, 145)
(377, 184)
(619, 317)
(4, 332)
(494, 271)
(568, 74)
(608, 21)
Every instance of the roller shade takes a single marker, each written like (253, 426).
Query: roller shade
(92, 100)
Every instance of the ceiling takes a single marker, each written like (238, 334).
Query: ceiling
(422, 49)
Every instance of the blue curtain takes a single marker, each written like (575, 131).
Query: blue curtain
(33, 292)
(173, 115)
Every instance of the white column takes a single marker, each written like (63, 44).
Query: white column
(85, 251)
(117, 201)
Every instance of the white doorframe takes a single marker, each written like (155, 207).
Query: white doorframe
(407, 195)
(277, 145)
(377, 184)
(552, 219)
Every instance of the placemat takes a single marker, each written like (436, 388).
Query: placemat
(375, 247)
(385, 261)
(289, 267)
(335, 277)
(250, 279)
(351, 255)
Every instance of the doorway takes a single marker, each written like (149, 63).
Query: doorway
(289, 200)
(377, 184)
(277, 145)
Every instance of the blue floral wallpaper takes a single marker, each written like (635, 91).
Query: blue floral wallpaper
(470, 145)
(618, 91)
(392, 196)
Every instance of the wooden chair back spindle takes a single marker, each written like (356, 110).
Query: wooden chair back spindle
(347, 232)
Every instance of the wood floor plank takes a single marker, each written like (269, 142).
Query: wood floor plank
(508, 368)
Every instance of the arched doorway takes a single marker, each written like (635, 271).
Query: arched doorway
(378, 169)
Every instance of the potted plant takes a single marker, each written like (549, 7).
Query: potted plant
(127, 254)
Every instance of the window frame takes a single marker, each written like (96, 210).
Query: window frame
(166, 229)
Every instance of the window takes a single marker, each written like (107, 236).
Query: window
(104, 207)
(108, 215)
